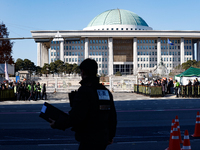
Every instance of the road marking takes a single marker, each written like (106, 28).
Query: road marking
(56, 144)
(137, 142)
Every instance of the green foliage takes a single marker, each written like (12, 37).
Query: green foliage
(5, 46)
(45, 68)
(189, 63)
(118, 73)
(38, 70)
(59, 66)
(68, 68)
(52, 68)
(75, 69)
(25, 64)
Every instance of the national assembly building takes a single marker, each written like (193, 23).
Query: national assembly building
(120, 41)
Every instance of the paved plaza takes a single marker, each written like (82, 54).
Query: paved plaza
(120, 96)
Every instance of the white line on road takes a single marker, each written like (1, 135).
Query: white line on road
(137, 142)
(56, 144)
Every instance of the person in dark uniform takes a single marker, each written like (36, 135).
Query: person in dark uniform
(19, 91)
(32, 91)
(44, 94)
(92, 115)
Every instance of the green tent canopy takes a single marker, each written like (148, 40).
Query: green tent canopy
(191, 72)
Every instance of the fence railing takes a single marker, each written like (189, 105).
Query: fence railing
(190, 91)
(7, 94)
(153, 91)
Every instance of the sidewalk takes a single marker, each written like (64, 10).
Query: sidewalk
(63, 98)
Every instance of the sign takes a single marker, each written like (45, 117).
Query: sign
(17, 79)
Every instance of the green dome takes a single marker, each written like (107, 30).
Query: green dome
(117, 17)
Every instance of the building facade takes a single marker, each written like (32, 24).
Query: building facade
(119, 40)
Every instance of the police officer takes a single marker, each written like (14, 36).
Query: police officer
(44, 94)
(93, 114)
(177, 85)
(32, 91)
(38, 91)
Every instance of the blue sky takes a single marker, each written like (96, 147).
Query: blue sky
(22, 16)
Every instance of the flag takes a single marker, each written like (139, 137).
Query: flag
(6, 72)
(170, 42)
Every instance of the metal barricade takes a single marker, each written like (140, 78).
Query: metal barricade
(123, 84)
(7, 94)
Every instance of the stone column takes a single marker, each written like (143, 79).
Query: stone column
(39, 54)
(193, 52)
(62, 50)
(198, 50)
(110, 62)
(158, 51)
(86, 48)
(182, 51)
(45, 55)
(135, 56)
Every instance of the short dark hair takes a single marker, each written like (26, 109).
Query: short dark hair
(90, 67)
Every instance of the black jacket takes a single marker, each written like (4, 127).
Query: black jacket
(92, 118)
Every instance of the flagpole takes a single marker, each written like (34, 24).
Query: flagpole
(6, 72)
(168, 46)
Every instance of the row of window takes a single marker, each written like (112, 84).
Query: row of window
(147, 59)
(73, 53)
(80, 47)
(163, 47)
(68, 47)
(98, 42)
(163, 53)
(120, 28)
(103, 71)
(105, 41)
(164, 59)
(163, 41)
(69, 42)
(147, 53)
(100, 60)
(73, 48)
(98, 47)
(152, 65)
(98, 53)
(73, 59)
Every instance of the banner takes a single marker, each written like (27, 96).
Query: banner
(6, 72)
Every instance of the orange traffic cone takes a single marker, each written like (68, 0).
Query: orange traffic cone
(178, 126)
(171, 132)
(175, 142)
(197, 126)
(186, 143)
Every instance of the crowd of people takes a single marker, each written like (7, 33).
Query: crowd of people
(168, 86)
(26, 90)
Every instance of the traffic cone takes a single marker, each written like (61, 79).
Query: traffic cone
(175, 142)
(171, 132)
(186, 143)
(197, 126)
(178, 126)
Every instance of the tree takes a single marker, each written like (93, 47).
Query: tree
(59, 66)
(45, 69)
(25, 64)
(188, 64)
(118, 73)
(52, 68)
(38, 70)
(19, 65)
(68, 68)
(5, 46)
(75, 69)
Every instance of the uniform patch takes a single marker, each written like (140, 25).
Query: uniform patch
(104, 107)
(103, 95)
